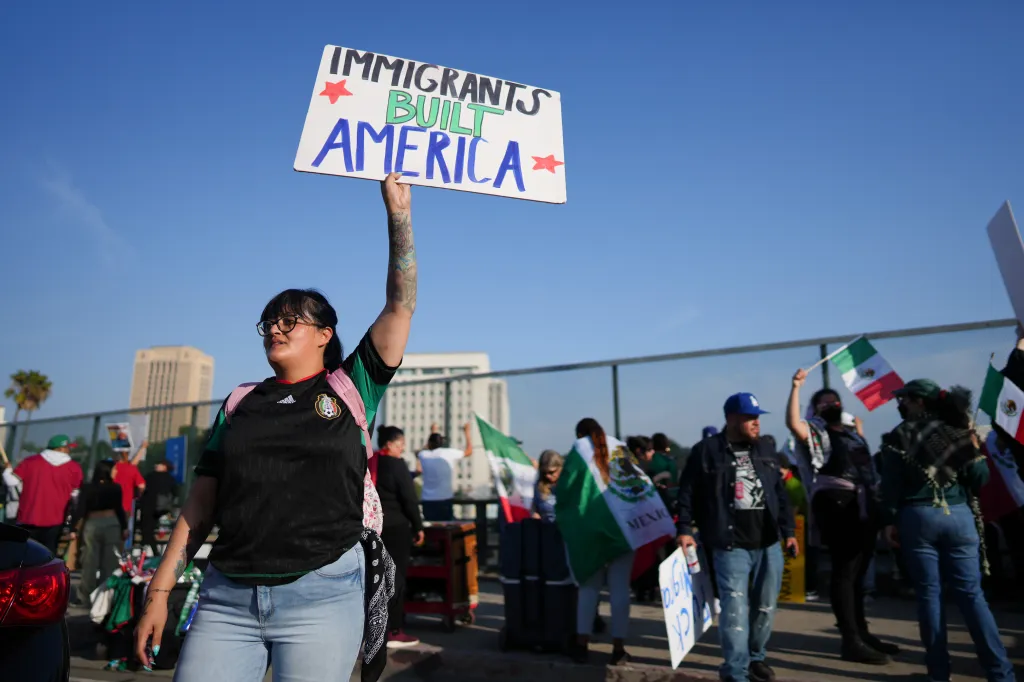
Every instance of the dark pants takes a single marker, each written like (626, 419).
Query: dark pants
(102, 539)
(438, 510)
(811, 556)
(47, 536)
(149, 521)
(398, 541)
(851, 543)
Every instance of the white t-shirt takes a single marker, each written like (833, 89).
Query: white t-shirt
(438, 473)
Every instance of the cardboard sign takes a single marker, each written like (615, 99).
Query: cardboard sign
(120, 437)
(794, 572)
(1009, 251)
(127, 436)
(371, 114)
(687, 602)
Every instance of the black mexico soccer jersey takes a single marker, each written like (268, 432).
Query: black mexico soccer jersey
(290, 465)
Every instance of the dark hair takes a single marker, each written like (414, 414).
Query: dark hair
(312, 306)
(435, 441)
(641, 443)
(589, 428)
(820, 393)
(770, 439)
(953, 406)
(103, 472)
(388, 434)
(660, 442)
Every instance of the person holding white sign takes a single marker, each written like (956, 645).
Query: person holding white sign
(732, 491)
(298, 575)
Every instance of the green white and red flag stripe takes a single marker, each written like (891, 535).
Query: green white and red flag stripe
(513, 471)
(866, 373)
(1003, 401)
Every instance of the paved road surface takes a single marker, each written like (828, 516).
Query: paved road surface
(804, 648)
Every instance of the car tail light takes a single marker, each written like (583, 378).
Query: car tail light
(34, 596)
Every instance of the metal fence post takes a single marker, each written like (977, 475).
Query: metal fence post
(193, 436)
(12, 438)
(615, 400)
(448, 412)
(824, 366)
(94, 443)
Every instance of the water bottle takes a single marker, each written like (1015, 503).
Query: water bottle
(691, 559)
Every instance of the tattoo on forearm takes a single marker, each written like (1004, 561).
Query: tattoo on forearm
(402, 261)
(179, 568)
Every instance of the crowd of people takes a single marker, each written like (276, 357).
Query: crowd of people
(345, 517)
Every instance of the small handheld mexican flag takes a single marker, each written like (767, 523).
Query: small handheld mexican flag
(513, 471)
(602, 521)
(1003, 401)
(866, 373)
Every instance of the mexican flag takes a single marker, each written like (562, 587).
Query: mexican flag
(513, 471)
(1004, 492)
(1003, 401)
(866, 373)
(602, 521)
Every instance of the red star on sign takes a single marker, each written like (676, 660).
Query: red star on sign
(335, 90)
(547, 163)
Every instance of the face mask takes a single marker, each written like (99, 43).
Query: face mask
(832, 415)
(903, 410)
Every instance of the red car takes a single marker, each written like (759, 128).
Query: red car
(34, 591)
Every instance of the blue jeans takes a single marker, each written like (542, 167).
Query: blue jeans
(940, 546)
(616, 575)
(309, 630)
(745, 623)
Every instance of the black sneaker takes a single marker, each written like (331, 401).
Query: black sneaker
(759, 671)
(878, 645)
(859, 652)
(619, 657)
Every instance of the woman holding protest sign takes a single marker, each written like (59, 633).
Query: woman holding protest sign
(284, 477)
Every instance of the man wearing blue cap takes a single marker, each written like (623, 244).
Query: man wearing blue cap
(732, 491)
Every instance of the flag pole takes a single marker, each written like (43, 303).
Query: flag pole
(831, 355)
(977, 410)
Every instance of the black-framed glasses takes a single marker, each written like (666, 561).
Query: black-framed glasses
(285, 324)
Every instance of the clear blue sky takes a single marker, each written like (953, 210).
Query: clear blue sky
(736, 174)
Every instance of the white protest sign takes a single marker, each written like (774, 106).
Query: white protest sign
(686, 600)
(1009, 251)
(127, 436)
(371, 114)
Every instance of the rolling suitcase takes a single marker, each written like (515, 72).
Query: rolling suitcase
(540, 595)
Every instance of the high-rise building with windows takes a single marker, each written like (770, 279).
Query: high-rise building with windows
(415, 408)
(166, 375)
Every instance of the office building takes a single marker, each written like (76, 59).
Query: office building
(167, 375)
(415, 408)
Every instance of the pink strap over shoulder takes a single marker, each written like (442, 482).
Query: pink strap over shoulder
(341, 383)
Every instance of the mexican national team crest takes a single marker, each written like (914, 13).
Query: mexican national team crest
(327, 407)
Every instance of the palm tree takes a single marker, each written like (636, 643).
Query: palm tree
(29, 390)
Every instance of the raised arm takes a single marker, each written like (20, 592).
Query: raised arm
(391, 330)
(140, 453)
(193, 525)
(796, 425)
(467, 430)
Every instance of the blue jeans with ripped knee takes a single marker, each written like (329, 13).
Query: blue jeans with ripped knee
(748, 582)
